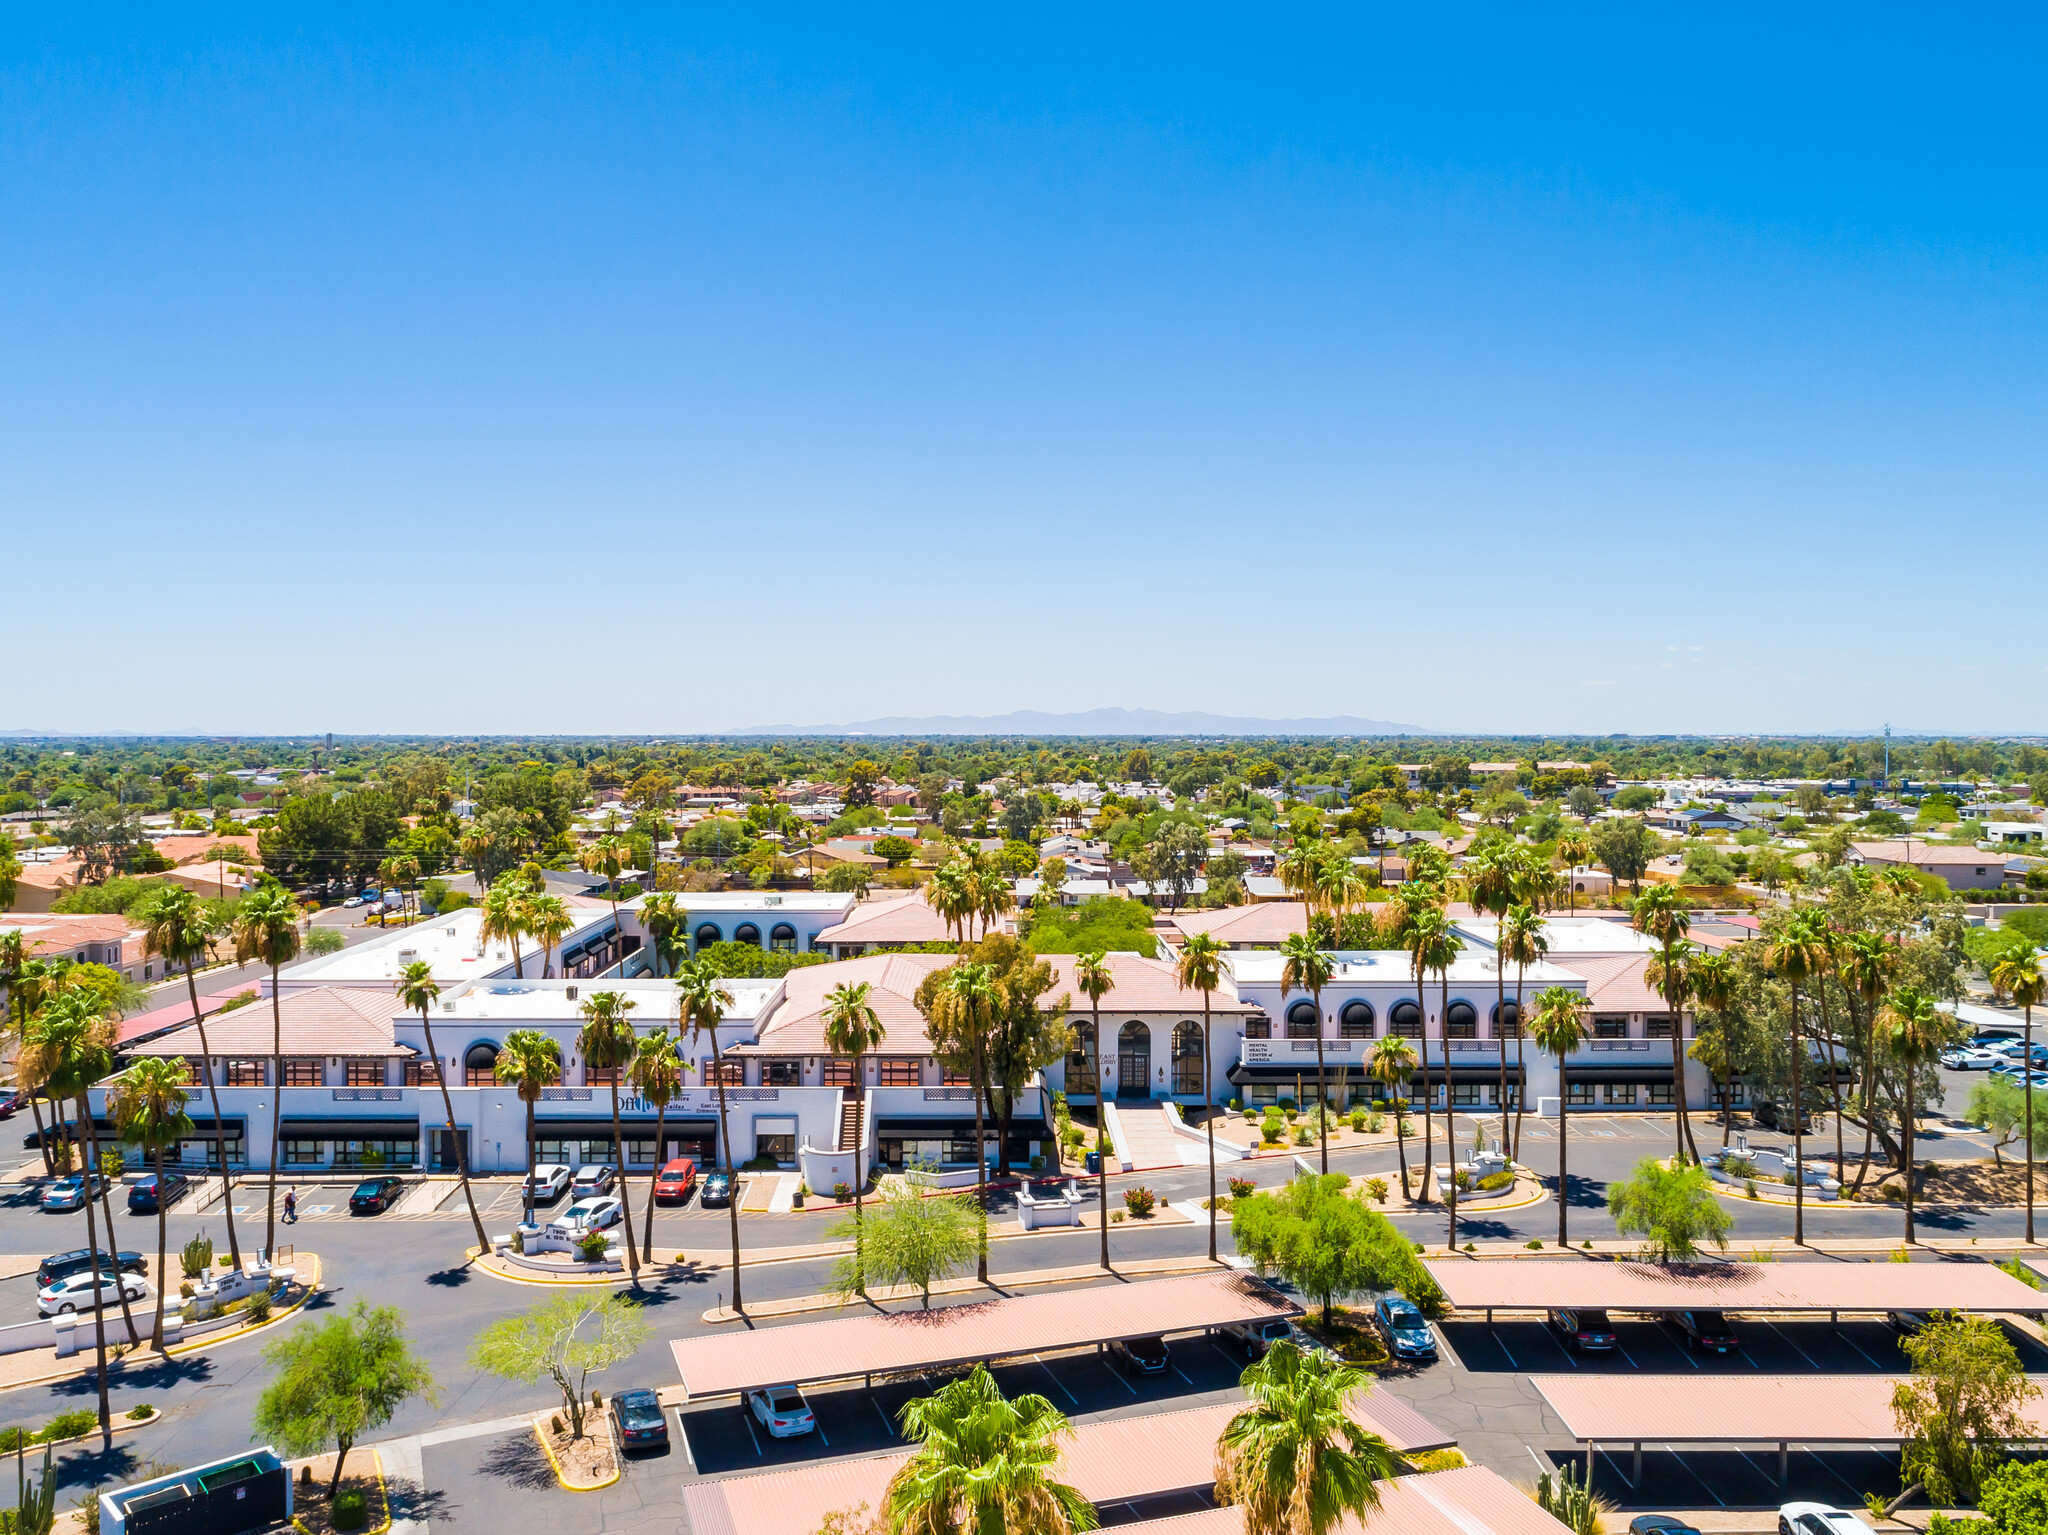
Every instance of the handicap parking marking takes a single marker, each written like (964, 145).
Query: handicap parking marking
(319, 1210)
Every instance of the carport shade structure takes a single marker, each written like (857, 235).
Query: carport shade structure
(902, 1341)
(1121, 1460)
(1470, 1500)
(1734, 1409)
(1543, 1284)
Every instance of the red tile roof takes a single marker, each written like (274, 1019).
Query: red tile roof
(905, 920)
(1614, 982)
(1143, 986)
(1921, 854)
(52, 932)
(1265, 922)
(325, 1020)
(796, 1026)
(1535, 1284)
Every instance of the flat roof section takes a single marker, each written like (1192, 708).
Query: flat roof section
(1511, 1284)
(1113, 1461)
(1734, 1409)
(1470, 1500)
(897, 1341)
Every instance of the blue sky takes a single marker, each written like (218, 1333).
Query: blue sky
(659, 372)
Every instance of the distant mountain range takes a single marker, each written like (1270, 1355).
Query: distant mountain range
(1093, 722)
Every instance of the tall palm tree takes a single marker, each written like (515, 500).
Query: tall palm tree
(266, 928)
(1091, 974)
(983, 1466)
(1575, 851)
(1201, 969)
(971, 989)
(658, 1074)
(504, 918)
(530, 1063)
(608, 1043)
(1713, 981)
(1492, 883)
(547, 918)
(1523, 942)
(1298, 869)
(1659, 913)
(853, 1027)
(175, 930)
(1559, 1029)
(1798, 953)
(1393, 1062)
(29, 980)
(1307, 968)
(1913, 1028)
(988, 891)
(662, 918)
(418, 991)
(2018, 975)
(1867, 963)
(947, 893)
(1444, 949)
(1424, 935)
(74, 1045)
(1293, 1458)
(701, 1001)
(147, 1105)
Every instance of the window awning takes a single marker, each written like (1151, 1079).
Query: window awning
(1490, 1072)
(392, 1128)
(1621, 1074)
(933, 1129)
(633, 1126)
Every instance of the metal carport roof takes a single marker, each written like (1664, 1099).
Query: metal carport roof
(1513, 1284)
(1734, 1409)
(894, 1342)
(1470, 1500)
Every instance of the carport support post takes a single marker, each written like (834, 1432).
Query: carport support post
(1783, 1472)
(1637, 1482)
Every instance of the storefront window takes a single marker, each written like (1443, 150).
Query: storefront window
(1657, 1025)
(304, 1153)
(304, 1071)
(365, 1073)
(1463, 1093)
(782, 1074)
(897, 1071)
(1662, 1092)
(1579, 1092)
(372, 1154)
(837, 1070)
(574, 1153)
(1621, 1092)
(245, 1073)
(420, 1072)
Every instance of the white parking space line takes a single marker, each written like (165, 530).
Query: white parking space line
(1831, 1471)
(1631, 1358)
(747, 1417)
(1504, 1350)
(1118, 1375)
(1696, 1476)
(820, 1427)
(1182, 1374)
(884, 1417)
(683, 1433)
(1055, 1379)
(1855, 1345)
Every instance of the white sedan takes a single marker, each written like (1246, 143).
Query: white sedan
(548, 1182)
(1974, 1060)
(1818, 1519)
(782, 1411)
(75, 1292)
(586, 1216)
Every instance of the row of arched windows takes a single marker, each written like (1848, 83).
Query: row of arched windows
(1356, 1019)
(781, 937)
(1134, 1060)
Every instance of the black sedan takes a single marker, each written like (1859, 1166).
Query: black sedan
(1588, 1329)
(716, 1191)
(61, 1265)
(1141, 1356)
(1707, 1332)
(144, 1195)
(637, 1416)
(373, 1196)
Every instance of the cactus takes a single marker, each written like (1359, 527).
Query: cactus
(196, 1257)
(36, 1507)
(1569, 1502)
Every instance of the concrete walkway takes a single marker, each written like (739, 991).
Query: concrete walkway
(1153, 1141)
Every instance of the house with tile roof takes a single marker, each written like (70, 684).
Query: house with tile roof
(1961, 868)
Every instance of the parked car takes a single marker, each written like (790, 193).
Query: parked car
(1406, 1330)
(675, 1181)
(373, 1196)
(782, 1411)
(10, 1104)
(1706, 1331)
(586, 1216)
(1905, 1323)
(57, 1265)
(1586, 1330)
(1779, 1116)
(1818, 1519)
(1973, 1059)
(717, 1190)
(76, 1292)
(595, 1179)
(1257, 1337)
(638, 1418)
(1659, 1524)
(69, 1193)
(1141, 1356)
(352, 902)
(548, 1182)
(145, 1194)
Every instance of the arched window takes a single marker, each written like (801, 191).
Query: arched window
(746, 932)
(1301, 1021)
(1461, 1020)
(1134, 1061)
(1081, 1060)
(1187, 1058)
(479, 1065)
(1355, 1020)
(782, 938)
(1507, 1020)
(708, 934)
(1404, 1021)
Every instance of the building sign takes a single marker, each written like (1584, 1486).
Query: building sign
(1295, 1052)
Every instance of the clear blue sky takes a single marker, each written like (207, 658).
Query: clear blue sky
(676, 372)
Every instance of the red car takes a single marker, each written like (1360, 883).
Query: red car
(676, 1181)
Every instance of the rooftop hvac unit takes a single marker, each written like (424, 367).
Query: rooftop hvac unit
(572, 993)
(408, 956)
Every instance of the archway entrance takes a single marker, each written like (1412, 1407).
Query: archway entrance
(1134, 1061)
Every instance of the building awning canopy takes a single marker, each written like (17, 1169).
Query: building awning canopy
(389, 1128)
(1622, 1074)
(633, 1126)
(1434, 1073)
(934, 1129)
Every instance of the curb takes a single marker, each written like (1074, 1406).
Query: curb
(383, 1492)
(182, 1349)
(548, 1450)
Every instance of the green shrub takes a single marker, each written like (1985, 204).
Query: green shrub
(1302, 1137)
(1375, 1122)
(1495, 1182)
(591, 1245)
(351, 1509)
(69, 1425)
(259, 1307)
(141, 1413)
(1240, 1188)
(1357, 1119)
(1140, 1201)
(11, 1436)
(1376, 1189)
(1534, 1244)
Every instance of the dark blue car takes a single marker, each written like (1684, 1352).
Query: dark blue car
(1406, 1330)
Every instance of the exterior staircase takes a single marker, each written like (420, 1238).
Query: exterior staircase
(1152, 1141)
(849, 1120)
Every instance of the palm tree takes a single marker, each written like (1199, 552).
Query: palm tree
(1424, 935)
(504, 918)
(1660, 913)
(1307, 968)
(29, 981)
(947, 894)
(1491, 885)
(608, 1044)
(1201, 969)
(1091, 974)
(147, 1104)
(547, 918)
(73, 1043)
(1444, 949)
(1522, 940)
(701, 1001)
(1867, 962)
(1393, 1062)
(267, 930)
(658, 1074)
(418, 991)
(475, 844)
(1913, 1026)
(530, 1063)
(1293, 1458)
(175, 930)
(853, 1027)
(1713, 981)
(1574, 851)
(662, 918)
(2018, 975)
(983, 1466)
(1798, 953)
(1560, 1028)
(971, 989)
